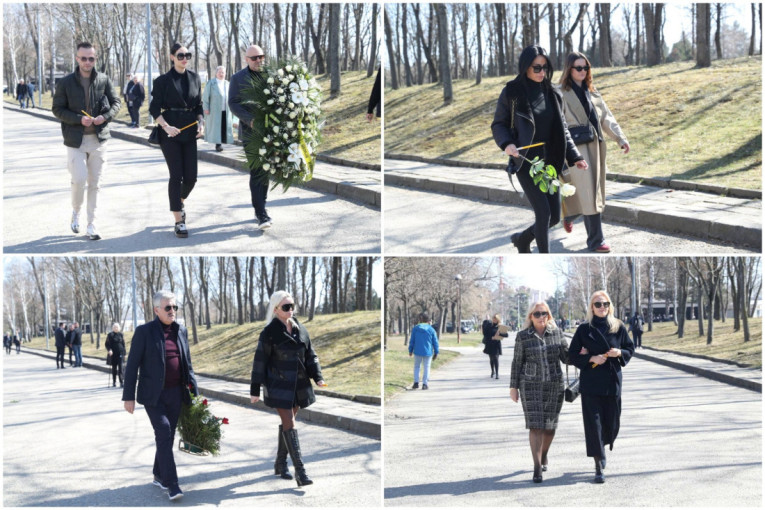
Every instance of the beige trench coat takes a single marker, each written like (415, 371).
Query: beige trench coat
(590, 196)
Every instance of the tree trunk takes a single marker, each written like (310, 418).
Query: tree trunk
(479, 63)
(334, 49)
(500, 41)
(189, 300)
(278, 30)
(443, 52)
(652, 16)
(604, 19)
(703, 21)
(742, 278)
(390, 46)
(718, 22)
(312, 308)
(551, 31)
(373, 42)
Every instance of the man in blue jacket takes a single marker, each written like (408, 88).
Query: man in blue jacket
(160, 350)
(423, 344)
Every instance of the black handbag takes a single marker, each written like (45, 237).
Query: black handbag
(582, 134)
(154, 136)
(572, 388)
(108, 359)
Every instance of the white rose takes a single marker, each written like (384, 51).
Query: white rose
(270, 79)
(279, 111)
(285, 136)
(291, 105)
(293, 115)
(290, 125)
(567, 190)
(266, 166)
(276, 129)
(294, 133)
(262, 151)
(270, 101)
(280, 72)
(280, 90)
(266, 139)
(278, 144)
(288, 68)
(291, 77)
(273, 171)
(266, 91)
(282, 99)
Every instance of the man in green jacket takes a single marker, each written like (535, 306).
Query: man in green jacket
(85, 102)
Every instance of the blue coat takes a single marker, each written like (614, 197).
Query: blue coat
(423, 341)
(215, 102)
(147, 353)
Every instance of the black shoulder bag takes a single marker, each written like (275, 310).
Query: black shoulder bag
(572, 388)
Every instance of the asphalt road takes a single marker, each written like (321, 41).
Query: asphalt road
(133, 214)
(417, 222)
(684, 441)
(67, 441)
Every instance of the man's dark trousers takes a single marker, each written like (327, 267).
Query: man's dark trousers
(164, 418)
(258, 185)
(60, 356)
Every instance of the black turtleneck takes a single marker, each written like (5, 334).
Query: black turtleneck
(601, 324)
(181, 80)
(542, 108)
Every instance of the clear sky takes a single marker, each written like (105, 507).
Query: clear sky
(536, 272)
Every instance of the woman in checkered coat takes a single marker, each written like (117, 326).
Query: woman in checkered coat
(537, 377)
(284, 364)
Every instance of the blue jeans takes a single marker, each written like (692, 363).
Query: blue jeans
(425, 360)
(77, 355)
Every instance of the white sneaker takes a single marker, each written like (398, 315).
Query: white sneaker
(92, 233)
(75, 222)
(264, 224)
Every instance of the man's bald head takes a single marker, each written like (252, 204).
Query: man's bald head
(255, 57)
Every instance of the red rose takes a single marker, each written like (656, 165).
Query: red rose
(204, 402)
(225, 421)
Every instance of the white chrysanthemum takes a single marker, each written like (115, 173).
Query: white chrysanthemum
(262, 151)
(288, 68)
(276, 129)
(273, 171)
(266, 166)
(294, 133)
(285, 136)
(280, 90)
(278, 111)
(293, 115)
(266, 91)
(290, 125)
(270, 101)
(280, 72)
(291, 105)
(270, 80)
(282, 99)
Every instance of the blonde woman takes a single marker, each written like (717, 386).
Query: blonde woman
(608, 348)
(284, 364)
(536, 377)
(115, 347)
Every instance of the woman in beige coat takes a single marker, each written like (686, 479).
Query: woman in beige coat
(584, 107)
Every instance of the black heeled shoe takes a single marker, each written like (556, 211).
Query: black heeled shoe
(522, 244)
(599, 478)
(537, 475)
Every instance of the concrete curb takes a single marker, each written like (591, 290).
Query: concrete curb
(660, 182)
(709, 374)
(700, 356)
(703, 228)
(343, 189)
(352, 425)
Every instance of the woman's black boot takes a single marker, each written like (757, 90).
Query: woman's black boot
(522, 241)
(293, 447)
(280, 466)
(599, 478)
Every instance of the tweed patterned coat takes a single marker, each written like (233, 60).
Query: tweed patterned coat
(285, 364)
(537, 374)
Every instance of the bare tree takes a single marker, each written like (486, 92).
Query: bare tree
(334, 49)
(443, 52)
(390, 46)
(652, 16)
(373, 42)
(703, 28)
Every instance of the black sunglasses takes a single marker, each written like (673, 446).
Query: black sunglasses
(604, 304)
(87, 59)
(539, 69)
(171, 307)
(581, 68)
(288, 307)
(256, 57)
(537, 315)
(182, 56)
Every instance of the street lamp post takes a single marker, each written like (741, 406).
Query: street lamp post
(458, 278)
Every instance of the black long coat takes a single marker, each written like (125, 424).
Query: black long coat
(60, 338)
(147, 353)
(606, 379)
(285, 366)
(167, 100)
(115, 342)
(514, 124)
(492, 347)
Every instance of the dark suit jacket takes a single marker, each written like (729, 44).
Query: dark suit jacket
(60, 338)
(68, 338)
(147, 353)
(246, 114)
(165, 95)
(136, 94)
(77, 336)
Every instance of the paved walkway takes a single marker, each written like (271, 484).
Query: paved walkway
(133, 214)
(704, 215)
(344, 414)
(68, 442)
(684, 441)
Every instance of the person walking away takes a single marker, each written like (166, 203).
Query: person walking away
(60, 337)
(636, 327)
(423, 345)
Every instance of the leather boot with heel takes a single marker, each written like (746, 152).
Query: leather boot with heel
(293, 447)
(280, 465)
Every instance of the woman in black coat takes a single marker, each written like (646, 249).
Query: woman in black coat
(176, 102)
(284, 364)
(600, 348)
(530, 111)
(492, 341)
(115, 347)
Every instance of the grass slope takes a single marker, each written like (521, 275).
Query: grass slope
(703, 125)
(346, 133)
(348, 346)
(727, 344)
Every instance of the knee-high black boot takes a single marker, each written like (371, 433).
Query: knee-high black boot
(280, 466)
(293, 447)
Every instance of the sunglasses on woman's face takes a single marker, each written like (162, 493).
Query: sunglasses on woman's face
(539, 69)
(183, 56)
(581, 68)
(599, 304)
(171, 307)
(288, 307)
(537, 315)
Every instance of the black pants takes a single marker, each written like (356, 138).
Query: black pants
(60, 356)
(117, 369)
(70, 354)
(259, 193)
(494, 363)
(164, 418)
(223, 127)
(546, 210)
(134, 117)
(181, 158)
(601, 416)
(637, 338)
